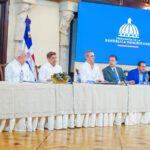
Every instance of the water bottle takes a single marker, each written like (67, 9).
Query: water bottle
(21, 76)
(90, 81)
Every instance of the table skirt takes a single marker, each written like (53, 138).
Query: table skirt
(73, 121)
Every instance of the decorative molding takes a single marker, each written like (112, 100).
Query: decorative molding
(22, 13)
(26, 1)
(66, 16)
(69, 6)
(22, 9)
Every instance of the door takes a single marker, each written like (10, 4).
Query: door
(3, 30)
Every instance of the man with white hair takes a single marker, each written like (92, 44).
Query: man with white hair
(89, 71)
(19, 71)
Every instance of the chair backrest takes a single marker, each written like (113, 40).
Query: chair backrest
(78, 78)
(2, 70)
(77, 71)
(1, 74)
(126, 72)
(37, 71)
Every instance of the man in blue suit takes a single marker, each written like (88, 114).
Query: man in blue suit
(138, 75)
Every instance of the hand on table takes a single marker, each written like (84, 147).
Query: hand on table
(49, 80)
(132, 82)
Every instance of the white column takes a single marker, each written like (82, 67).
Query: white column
(67, 10)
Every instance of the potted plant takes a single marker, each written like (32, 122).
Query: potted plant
(59, 78)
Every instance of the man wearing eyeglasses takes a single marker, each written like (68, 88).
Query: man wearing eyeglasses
(18, 70)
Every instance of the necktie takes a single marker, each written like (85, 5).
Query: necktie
(116, 76)
(21, 76)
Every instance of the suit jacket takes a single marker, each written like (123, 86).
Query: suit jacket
(148, 76)
(109, 74)
(134, 75)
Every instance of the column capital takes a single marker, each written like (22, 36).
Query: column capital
(31, 2)
(68, 6)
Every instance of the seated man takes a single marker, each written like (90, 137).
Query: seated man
(49, 68)
(89, 72)
(139, 75)
(45, 73)
(112, 73)
(19, 71)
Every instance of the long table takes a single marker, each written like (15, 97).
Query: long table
(74, 105)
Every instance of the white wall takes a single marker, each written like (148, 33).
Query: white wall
(44, 29)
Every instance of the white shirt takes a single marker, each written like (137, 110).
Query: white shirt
(47, 70)
(13, 70)
(88, 73)
(140, 77)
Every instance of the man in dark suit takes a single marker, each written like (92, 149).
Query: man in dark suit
(112, 73)
(139, 75)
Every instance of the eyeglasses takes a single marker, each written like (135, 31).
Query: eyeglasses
(91, 56)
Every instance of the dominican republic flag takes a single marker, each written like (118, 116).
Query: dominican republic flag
(27, 45)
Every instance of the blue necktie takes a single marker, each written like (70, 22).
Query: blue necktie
(116, 76)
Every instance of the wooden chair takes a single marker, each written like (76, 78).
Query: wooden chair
(2, 69)
(126, 72)
(78, 78)
(37, 71)
(1, 73)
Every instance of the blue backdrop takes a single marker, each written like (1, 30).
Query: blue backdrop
(107, 29)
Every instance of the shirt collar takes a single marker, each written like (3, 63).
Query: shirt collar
(89, 64)
(113, 68)
(51, 65)
(17, 62)
(141, 72)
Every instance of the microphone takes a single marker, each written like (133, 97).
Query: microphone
(70, 79)
(125, 82)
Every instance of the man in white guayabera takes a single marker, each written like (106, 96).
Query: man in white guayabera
(18, 71)
(90, 72)
(49, 68)
(46, 71)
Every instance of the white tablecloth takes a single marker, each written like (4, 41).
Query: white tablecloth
(139, 98)
(64, 99)
(100, 98)
(6, 101)
(77, 105)
(28, 99)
